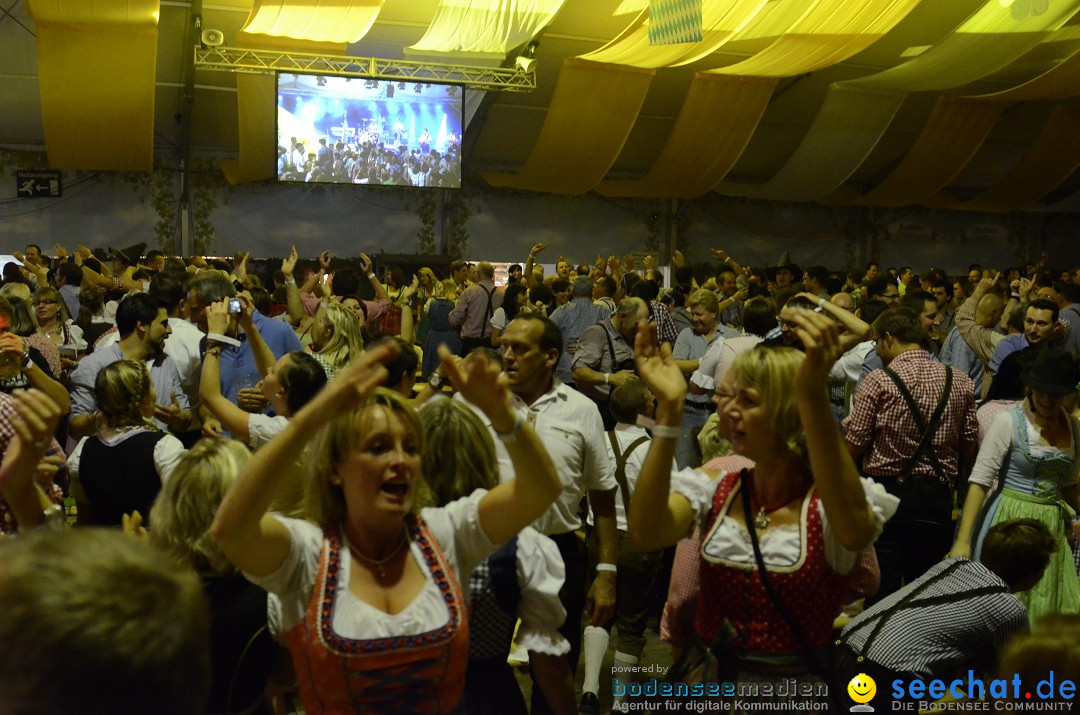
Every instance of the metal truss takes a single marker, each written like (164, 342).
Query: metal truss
(232, 59)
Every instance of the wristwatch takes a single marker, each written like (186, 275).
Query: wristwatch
(436, 381)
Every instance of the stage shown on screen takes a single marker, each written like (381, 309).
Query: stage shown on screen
(347, 130)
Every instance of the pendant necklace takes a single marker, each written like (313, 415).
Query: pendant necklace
(764, 514)
(380, 564)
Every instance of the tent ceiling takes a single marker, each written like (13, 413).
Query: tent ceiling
(506, 131)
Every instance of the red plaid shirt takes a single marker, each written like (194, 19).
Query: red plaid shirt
(881, 423)
(7, 433)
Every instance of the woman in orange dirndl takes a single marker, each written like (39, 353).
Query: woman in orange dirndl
(370, 589)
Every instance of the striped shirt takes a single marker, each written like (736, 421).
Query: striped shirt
(881, 423)
(943, 628)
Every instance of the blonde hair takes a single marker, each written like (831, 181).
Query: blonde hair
(1053, 644)
(458, 455)
(13, 291)
(51, 294)
(119, 390)
(324, 502)
(186, 505)
(772, 373)
(447, 290)
(345, 343)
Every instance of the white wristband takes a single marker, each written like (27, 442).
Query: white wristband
(821, 303)
(607, 378)
(290, 281)
(611, 568)
(371, 276)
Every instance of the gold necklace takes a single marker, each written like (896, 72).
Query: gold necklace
(379, 564)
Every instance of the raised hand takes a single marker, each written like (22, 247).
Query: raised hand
(656, 368)
(651, 262)
(678, 259)
(217, 317)
(719, 254)
(324, 261)
(537, 247)
(354, 383)
(820, 337)
(480, 382)
(288, 264)
(365, 264)
(60, 251)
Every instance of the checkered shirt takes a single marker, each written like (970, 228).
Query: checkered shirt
(942, 629)
(881, 423)
(8, 415)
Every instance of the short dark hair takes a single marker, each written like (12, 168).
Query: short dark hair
(877, 286)
(1044, 304)
(169, 289)
(759, 316)
(646, 290)
(1071, 293)
(550, 336)
(871, 309)
(404, 364)
(559, 285)
(72, 274)
(798, 301)
(346, 282)
(901, 323)
(627, 400)
(136, 308)
(819, 273)
(609, 285)
(916, 300)
(943, 283)
(1018, 550)
(302, 377)
(211, 287)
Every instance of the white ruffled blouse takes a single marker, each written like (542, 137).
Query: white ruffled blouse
(456, 528)
(781, 545)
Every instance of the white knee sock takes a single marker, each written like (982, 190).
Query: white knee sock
(624, 660)
(594, 645)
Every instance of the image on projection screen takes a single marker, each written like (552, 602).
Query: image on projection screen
(349, 130)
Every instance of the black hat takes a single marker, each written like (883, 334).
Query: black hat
(129, 255)
(785, 262)
(1053, 372)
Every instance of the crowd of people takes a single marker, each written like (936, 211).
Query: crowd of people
(304, 494)
(371, 162)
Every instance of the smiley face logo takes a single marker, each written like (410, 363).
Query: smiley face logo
(862, 688)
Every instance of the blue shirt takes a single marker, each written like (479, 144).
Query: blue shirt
(957, 354)
(163, 372)
(237, 362)
(572, 320)
(1006, 347)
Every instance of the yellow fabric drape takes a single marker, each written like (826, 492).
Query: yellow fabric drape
(829, 154)
(335, 21)
(592, 111)
(256, 106)
(955, 130)
(721, 19)
(831, 31)
(96, 69)
(1050, 160)
(1059, 82)
(699, 153)
(479, 28)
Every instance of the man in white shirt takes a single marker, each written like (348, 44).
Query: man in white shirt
(569, 425)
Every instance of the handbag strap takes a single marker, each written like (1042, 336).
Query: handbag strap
(807, 652)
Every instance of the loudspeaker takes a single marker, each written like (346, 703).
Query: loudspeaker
(389, 91)
(213, 38)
